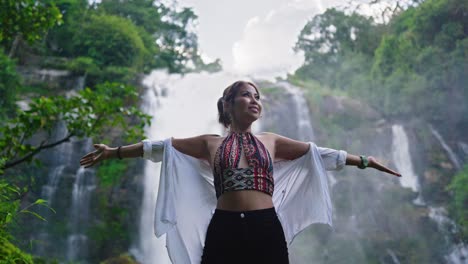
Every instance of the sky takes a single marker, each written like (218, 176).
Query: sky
(252, 37)
(256, 37)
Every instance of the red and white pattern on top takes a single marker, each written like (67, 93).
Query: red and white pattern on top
(228, 177)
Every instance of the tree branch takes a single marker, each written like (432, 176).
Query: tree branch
(35, 151)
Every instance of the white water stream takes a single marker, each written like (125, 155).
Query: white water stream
(77, 241)
(453, 158)
(305, 131)
(458, 254)
(402, 158)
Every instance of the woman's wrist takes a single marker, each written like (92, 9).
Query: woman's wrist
(111, 153)
(364, 162)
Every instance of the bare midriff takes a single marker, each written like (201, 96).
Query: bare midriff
(244, 200)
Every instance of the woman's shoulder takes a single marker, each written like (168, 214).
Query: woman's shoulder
(265, 133)
(212, 138)
(268, 135)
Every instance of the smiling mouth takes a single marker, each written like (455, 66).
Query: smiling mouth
(255, 109)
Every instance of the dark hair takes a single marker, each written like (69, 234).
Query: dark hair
(228, 96)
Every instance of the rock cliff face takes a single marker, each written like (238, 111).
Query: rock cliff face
(378, 218)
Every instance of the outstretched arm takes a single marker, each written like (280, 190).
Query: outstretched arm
(194, 146)
(103, 152)
(286, 148)
(372, 163)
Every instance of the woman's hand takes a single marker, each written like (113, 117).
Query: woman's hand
(373, 163)
(101, 153)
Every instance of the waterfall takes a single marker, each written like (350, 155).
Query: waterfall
(63, 167)
(58, 160)
(79, 213)
(458, 253)
(393, 256)
(188, 110)
(304, 130)
(402, 159)
(453, 158)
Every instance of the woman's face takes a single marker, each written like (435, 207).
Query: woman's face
(247, 105)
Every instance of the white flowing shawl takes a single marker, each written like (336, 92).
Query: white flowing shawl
(186, 197)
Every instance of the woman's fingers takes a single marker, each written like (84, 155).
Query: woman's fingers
(94, 157)
(90, 162)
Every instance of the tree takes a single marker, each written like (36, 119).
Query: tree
(26, 19)
(168, 27)
(330, 39)
(422, 57)
(9, 83)
(111, 41)
(89, 114)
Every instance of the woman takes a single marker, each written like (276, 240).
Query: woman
(245, 227)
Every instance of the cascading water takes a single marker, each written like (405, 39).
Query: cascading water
(59, 159)
(188, 110)
(77, 242)
(402, 159)
(459, 252)
(451, 154)
(304, 130)
(65, 176)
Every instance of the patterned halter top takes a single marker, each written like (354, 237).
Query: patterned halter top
(257, 176)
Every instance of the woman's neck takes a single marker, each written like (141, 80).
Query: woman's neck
(240, 129)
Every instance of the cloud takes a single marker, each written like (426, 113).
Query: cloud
(266, 47)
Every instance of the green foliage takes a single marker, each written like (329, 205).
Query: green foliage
(10, 198)
(338, 48)
(459, 205)
(110, 40)
(139, 34)
(82, 65)
(122, 259)
(89, 114)
(9, 83)
(9, 253)
(123, 74)
(28, 18)
(211, 67)
(58, 41)
(415, 63)
(110, 171)
(169, 28)
(110, 236)
(147, 14)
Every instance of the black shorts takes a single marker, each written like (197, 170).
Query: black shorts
(245, 237)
